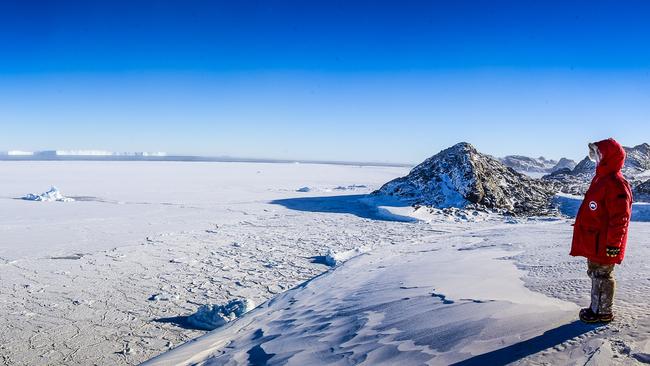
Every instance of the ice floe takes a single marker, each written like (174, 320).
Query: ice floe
(50, 196)
(212, 316)
(333, 258)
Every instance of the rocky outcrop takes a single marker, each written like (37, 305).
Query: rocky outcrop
(642, 192)
(461, 177)
(564, 163)
(637, 159)
(573, 181)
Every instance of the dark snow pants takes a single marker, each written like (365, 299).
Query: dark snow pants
(603, 286)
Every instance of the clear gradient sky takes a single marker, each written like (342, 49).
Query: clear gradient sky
(337, 80)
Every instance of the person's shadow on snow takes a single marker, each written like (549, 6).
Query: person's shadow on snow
(531, 346)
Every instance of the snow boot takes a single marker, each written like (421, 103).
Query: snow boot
(588, 316)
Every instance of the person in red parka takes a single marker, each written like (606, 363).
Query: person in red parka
(601, 227)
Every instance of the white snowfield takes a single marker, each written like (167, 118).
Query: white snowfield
(150, 254)
(449, 298)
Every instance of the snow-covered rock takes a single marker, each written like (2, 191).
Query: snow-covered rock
(563, 163)
(460, 177)
(50, 196)
(212, 316)
(642, 192)
(528, 165)
(573, 181)
(637, 159)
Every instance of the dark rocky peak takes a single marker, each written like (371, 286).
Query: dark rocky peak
(460, 176)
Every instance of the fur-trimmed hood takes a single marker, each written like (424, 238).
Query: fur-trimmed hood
(612, 157)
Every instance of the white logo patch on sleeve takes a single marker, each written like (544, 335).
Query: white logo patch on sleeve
(593, 205)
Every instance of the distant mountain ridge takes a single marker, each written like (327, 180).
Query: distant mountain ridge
(525, 164)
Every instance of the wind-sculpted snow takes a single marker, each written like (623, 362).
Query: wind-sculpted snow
(460, 177)
(454, 297)
(402, 305)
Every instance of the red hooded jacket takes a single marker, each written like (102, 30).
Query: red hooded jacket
(604, 214)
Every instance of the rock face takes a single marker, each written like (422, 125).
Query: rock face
(564, 163)
(642, 192)
(462, 177)
(573, 181)
(525, 164)
(637, 160)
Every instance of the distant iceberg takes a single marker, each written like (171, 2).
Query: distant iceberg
(83, 153)
(19, 153)
(50, 196)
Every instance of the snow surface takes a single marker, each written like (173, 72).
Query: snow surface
(114, 278)
(455, 296)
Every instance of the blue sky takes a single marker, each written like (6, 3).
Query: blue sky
(338, 80)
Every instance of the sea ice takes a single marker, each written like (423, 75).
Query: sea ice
(50, 196)
(212, 316)
(334, 258)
